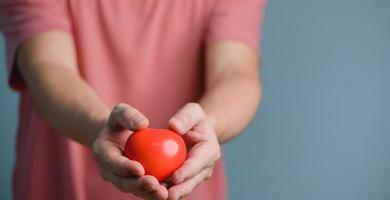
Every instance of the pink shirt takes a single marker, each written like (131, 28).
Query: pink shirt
(146, 53)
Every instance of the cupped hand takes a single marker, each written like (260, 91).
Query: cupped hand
(204, 150)
(127, 175)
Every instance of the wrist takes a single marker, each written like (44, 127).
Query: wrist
(218, 125)
(216, 122)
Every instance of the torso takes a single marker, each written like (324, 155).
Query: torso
(146, 53)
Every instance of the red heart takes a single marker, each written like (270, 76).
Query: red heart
(160, 151)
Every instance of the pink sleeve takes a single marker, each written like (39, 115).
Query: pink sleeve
(236, 20)
(21, 19)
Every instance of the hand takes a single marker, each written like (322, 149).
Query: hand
(204, 150)
(127, 175)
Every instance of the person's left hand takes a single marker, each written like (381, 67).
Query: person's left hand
(204, 150)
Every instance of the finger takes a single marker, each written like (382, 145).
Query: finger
(202, 155)
(122, 166)
(186, 118)
(104, 173)
(181, 190)
(128, 117)
(128, 184)
(151, 184)
(109, 156)
(167, 183)
(134, 185)
(202, 132)
(152, 190)
(160, 193)
(164, 184)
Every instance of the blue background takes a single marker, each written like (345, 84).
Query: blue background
(323, 130)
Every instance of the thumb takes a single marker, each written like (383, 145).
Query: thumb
(125, 116)
(186, 118)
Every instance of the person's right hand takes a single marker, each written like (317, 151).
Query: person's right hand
(127, 175)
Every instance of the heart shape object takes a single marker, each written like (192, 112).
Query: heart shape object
(160, 151)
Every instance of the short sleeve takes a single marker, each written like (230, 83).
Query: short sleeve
(20, 20)
(236, 20)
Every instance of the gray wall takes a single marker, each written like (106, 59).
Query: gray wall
(323, 130)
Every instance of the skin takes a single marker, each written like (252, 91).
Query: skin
(228, 105)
